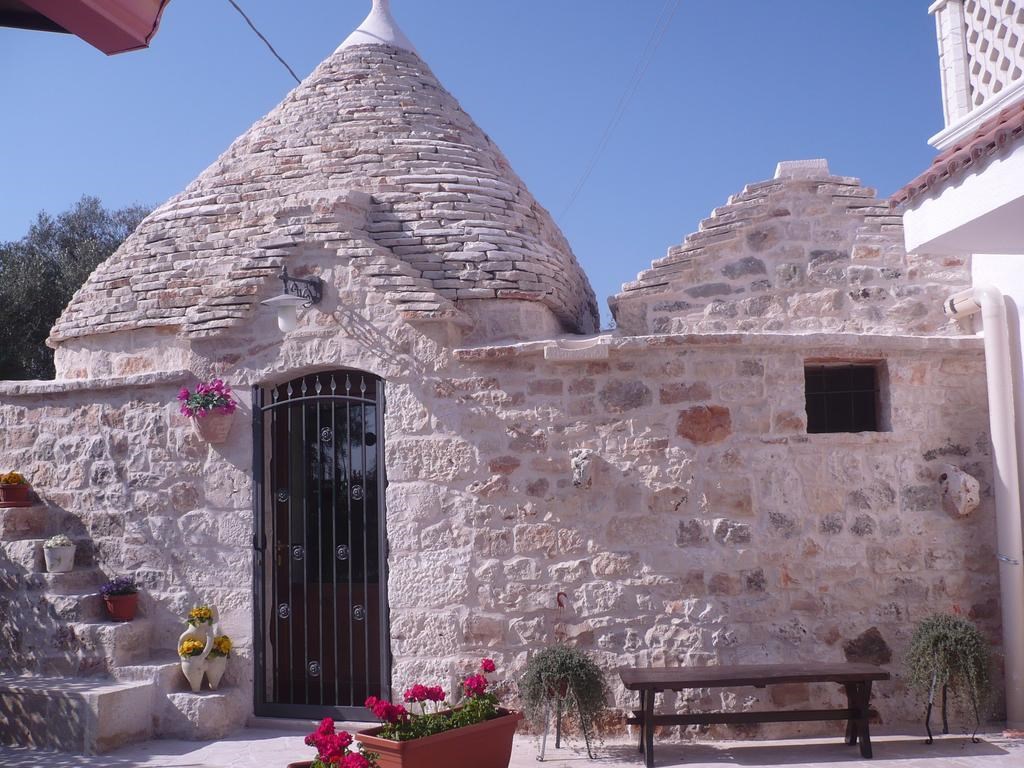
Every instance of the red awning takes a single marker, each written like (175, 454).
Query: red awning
(113, 26)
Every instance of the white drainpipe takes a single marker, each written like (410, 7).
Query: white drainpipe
(1010, 542)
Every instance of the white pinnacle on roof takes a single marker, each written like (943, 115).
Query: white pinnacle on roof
(379, 28)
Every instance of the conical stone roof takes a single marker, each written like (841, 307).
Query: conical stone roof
(442, 217)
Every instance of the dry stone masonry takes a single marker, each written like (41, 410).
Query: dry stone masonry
(662, 476)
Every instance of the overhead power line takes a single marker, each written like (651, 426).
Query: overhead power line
(661, 27)
(265, 41)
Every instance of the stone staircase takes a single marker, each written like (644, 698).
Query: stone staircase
(74, 681)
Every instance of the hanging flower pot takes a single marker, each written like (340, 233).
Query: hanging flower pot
(59, 553)
(210, 407)
(14, 490)
(213, 427)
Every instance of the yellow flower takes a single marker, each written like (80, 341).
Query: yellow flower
(12, 478)
(200, 615)
(191, 647)
(221, 646)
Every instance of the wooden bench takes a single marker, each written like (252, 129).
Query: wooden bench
(855, 678)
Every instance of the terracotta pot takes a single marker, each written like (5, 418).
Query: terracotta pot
(59, 559)
(484, 745)
(122, 607)
(15, 495)
(215, 667)
(213, 427)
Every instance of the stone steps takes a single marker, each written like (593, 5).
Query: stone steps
(23, 522)
(74, 715)
(27, 554)
(163, 671)
(120, 643)
(204, 715)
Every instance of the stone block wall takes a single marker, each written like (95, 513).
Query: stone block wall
(804, 251)
(707, 526)
(128, 479)
(714, 530)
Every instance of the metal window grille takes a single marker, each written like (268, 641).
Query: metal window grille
(842, 398)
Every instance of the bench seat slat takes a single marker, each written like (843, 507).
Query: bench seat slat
(757, 675)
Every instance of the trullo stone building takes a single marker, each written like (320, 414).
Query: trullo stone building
(747, 469)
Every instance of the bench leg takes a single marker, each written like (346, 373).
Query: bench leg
(649, 729)
(863, 705)
(640, 726)
(851, 703)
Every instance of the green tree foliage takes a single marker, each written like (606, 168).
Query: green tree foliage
(40, 273)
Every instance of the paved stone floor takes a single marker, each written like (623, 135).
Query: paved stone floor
(272, 748)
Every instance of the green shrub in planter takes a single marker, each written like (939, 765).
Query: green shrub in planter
(563, 676)
(949, 653)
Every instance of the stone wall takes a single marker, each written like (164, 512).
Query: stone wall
(806, 250)
(705, 525)
(713, 529)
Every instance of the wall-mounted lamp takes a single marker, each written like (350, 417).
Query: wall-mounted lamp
(298, 292)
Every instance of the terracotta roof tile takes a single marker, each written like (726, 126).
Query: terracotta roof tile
(991, 137)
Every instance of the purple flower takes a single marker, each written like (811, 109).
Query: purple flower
(121, 585)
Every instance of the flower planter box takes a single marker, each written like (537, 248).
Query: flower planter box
(15, 495)
(484, 745)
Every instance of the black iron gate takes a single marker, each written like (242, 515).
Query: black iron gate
(321, 623)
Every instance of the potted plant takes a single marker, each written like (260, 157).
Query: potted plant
(200, 615)
(948, 652)
(336, 748)
(566, 679)
(193, 665)
(210, 408)
(14, 490)
(59, 552)
(217, 661)
(121, 596)
(475, 734)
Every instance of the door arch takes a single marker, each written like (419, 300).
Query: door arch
(321, 622)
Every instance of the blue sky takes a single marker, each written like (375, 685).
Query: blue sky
(735, 87)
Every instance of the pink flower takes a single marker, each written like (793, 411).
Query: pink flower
(487, 665)
(417, 693)
(385, 711)
(354, 760)
(435, 693)
(475, 685)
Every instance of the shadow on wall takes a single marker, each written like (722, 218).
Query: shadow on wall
(40, 608)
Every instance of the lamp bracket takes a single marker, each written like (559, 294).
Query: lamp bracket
(311, 289)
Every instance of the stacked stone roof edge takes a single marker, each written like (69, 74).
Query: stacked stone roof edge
(795, 253)
(443, 217)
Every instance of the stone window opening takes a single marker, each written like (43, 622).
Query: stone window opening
(846, 396)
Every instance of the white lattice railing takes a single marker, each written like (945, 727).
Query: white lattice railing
(981, 54)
